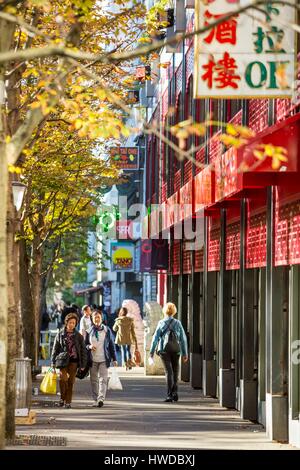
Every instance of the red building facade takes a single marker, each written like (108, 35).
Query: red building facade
(238, 291)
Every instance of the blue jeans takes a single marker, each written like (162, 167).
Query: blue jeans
(126, 352)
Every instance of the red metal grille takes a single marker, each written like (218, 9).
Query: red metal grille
(258, 114)
(187, 171)
(233, 246)
(214, 250)
(176, 257)
(215, 147)
(164, 104)
(283, 108)
(164, 192)
(287, 234)
(256, 251)
(177, 180)
(178, 76)
(199, 261)
(200, 157)
(237, 119)
(189, 63)
(187, 262)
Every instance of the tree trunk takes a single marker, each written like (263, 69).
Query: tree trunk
(26, 304)
(35, 281)
(12, 319)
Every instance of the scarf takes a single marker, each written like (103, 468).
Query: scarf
(96, 330)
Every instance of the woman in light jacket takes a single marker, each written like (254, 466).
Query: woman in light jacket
(170, 359)
(99, 341)
(125, 337)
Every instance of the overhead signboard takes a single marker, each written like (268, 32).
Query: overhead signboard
(250, 55)
(125, 158)
(122, 256)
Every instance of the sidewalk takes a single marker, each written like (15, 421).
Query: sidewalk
(137, 418)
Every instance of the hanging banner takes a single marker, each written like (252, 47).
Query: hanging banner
(125, 158)
(154, 255)
(250, 55)
(122, 256)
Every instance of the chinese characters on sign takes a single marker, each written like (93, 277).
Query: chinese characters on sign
(246, 55)
(126, 158)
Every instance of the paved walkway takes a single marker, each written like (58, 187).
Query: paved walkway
(137, 418)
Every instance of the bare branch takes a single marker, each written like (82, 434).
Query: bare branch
(108, 58)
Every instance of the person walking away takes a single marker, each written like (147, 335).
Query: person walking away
(125, 337)
(85, 322)
(68, 340)
(171, 342)
(99, 340)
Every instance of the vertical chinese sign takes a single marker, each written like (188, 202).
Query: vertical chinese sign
(250, 55)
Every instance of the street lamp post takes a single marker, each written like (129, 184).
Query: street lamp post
(18, 194)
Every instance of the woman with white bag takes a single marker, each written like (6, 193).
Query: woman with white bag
(100, 342)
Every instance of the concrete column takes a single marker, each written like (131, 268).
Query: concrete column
(248, 386)
(276, 337)
(294, 373)
(196, 292)
(209, 362)
(183, 317)
(226, 373)
(262, 348)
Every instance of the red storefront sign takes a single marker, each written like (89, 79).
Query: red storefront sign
(125, 158)
(203, 188)
(227, 177)
(186, 201)
(285, 134)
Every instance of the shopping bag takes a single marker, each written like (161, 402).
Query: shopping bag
(48, 384)
(137, 357)
(114, 381)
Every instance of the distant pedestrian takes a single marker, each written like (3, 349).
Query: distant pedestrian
(68, 354)
(171, 342)
(99, 340)
(86, 321)
(125, 337)
(66, 310)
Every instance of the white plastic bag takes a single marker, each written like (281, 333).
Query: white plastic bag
(114, 381)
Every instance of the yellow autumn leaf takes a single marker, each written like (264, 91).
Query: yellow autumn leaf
(231, 130)
(78, 124)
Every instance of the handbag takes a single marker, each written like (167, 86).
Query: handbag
(62, 360)
(137, 357)
(82, 374)
(48, 384)
(114, 381)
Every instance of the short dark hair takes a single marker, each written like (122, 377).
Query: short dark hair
(71, 316)
(123, 312)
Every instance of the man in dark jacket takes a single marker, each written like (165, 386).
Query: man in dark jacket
(100, 342)
(70, 342)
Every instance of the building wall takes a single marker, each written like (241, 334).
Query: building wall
(246, 259)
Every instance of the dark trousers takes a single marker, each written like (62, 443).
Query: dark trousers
(171, 365)
(67, 379)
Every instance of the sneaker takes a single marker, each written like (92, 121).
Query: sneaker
(175, 397)
(95, 404)
(61, 402)
(168, 400)
(100, 403)
(68, 405)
